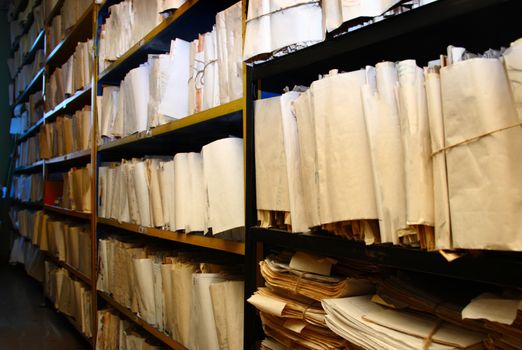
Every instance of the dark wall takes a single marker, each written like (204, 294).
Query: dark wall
(5, 138)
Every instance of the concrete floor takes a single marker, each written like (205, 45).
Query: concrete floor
(24, 323)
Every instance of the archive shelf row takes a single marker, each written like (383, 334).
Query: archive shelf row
(422, 34)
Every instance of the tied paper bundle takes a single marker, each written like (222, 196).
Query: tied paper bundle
(482, 151)
(291, 275)
(215, 75)
(338, 12)
(266, 19)
(371, 326)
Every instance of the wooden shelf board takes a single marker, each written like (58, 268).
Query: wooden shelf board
(68, 157)
(194, 240)
(171, 343)
(30, 88)
(80, 275)
(78, 100)
(81, 30)
(67, 212)
(29, 168)
(194, 119)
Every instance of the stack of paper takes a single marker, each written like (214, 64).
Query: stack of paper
(28, 152)
(66, 134)
(55, 34)
(191, 192)
(264, 35)
(198, 304)
(23, 252)
(70, 296)
(27, 188)
(116, 333)
(128, 22)
(71, 12)
(371, 326)
(76, 194)
(289, 307)
(27, 72)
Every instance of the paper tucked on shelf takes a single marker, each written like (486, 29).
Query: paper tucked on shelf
(482, 162)
(492, 308)
(384, 135)
(227, 303)
(339, 11)
(266, 27)
(223, 172)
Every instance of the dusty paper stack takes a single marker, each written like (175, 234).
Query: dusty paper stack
(69, 242)
(28, 152)
(216, 64)
(27, 188)
(128, 22)
(71, 297)
(116, 333)
(290, 306)
(477, 154)
(76, 194)
(195, 302)
(23, 252)
(71, 12)
(190, 192)
(67, 134)
(264, 35)
(55, 35)
(501, 316)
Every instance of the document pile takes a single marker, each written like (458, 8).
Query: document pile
(24, 220)
(62, 24)
(73, 75)
(69, 242)
(290, 307)
(128, 22)
(28, 72)
(76, 194)
(116, 333)
(190, 192)
(266, 22)
(192, 77)
(27, 114)
(397, 154)
(55, 35)
(193, 298)
(48, 6)
(66, 134)
(27, 188)
(23, 252)
(71, 297)
(28, 152)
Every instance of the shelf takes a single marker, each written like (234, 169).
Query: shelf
(32, 168)
(74, 271)
(183, 134)
(192, 18)
(491, 267)
(186, 238)
(67, 212)
(171, 343)
(67, 161)
(54, 11)
(30, 88)
(30, 205)
(29, 56)
(422, 34)
(71, 321)
(81, 31)
(71, 103)
(30, 131)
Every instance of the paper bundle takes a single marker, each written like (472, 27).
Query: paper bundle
(27, 188)
(76, 194)
(371, 326)
(28, 152)
(481, 152)
(279, 273)
(265, 22)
